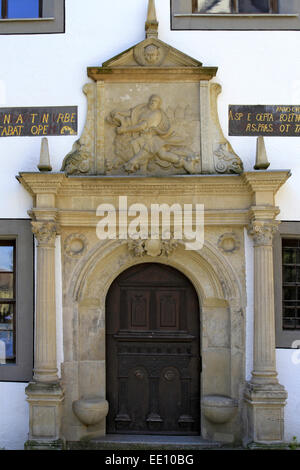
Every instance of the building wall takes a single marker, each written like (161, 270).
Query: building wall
(50, 70)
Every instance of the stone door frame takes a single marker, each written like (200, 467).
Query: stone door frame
(217, 293)
(66, 206)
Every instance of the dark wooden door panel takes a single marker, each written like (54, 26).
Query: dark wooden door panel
(153, 375)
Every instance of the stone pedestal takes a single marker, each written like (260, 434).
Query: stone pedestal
(45, 403)
(264, 396)
(265, 413)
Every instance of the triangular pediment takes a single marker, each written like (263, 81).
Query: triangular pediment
(152, 52)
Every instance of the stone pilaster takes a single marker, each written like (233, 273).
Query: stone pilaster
(44, 394)
(45, 366)
(264, 395)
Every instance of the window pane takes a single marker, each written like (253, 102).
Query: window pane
(6, 286)
(290, 242)
(289, 255)
(254, 6)
(23, 9)
(289, 274)
(6, 258)
(7, 346)
(289, 293)
(214, 6)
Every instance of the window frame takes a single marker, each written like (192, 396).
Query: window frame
(52, 21)
(184, 17)
(19, 231)
(286, 229)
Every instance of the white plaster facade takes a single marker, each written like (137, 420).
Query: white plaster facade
(254, 67)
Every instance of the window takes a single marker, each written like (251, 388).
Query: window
(21, 9)
(16, 300)
(287, 283)
(235, 14)
(290, 283)
(235, 6)
(7, 302)
(32, 16)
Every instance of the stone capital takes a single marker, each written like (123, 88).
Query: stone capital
(45, 232)
(262, 231)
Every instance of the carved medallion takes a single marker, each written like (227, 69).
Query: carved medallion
(149, 54)
(75, 245)
(229, 243)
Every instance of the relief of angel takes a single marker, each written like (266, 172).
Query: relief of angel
(150, 137)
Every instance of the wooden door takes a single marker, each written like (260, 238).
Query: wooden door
(152, 352)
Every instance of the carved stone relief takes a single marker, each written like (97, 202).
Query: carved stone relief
(152, 247)
(146, 138)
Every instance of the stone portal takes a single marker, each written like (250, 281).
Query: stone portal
(153, 135)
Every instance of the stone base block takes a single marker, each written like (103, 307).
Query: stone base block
(44, 413)
(265, 413)
(45, 445)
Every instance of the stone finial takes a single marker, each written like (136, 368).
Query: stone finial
(151, 25)
(44, 163)
(261, 162)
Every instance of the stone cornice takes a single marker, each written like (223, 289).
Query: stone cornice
(266, 180)
(151, 74)
(228, 196)
(61, 185)
(41, 183)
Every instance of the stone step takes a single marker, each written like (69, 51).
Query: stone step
(144, 442)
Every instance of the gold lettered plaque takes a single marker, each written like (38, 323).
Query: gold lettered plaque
(265, 120)
(38, 121)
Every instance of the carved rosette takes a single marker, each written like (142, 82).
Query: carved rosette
(45, 232)
(262, 232)
(152, 247)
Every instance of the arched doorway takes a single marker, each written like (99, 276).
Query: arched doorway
(153, 352)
